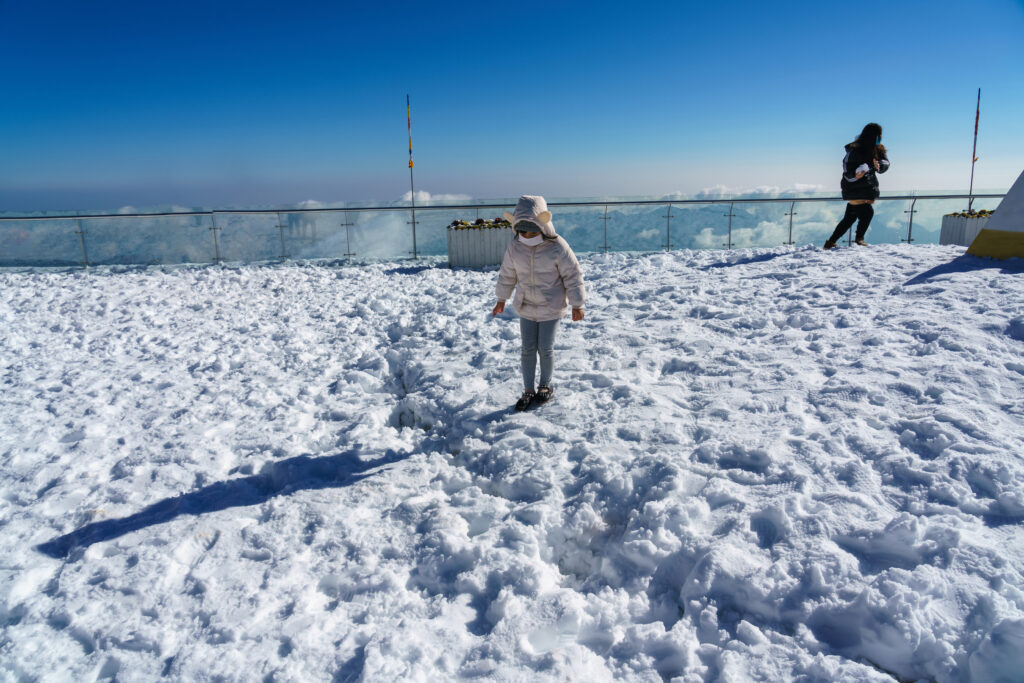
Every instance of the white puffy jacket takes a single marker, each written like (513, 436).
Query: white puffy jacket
(547, 279)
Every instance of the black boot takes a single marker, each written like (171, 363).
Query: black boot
(525, 400)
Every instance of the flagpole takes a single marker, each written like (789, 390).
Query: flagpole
(412, 189)
(974, 153)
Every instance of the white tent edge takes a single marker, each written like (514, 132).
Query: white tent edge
(1003, 234)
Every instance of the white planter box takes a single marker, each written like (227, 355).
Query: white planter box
(961, 229)
(472, 247)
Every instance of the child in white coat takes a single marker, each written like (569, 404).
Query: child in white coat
(543, 270)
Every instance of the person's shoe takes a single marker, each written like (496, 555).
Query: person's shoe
(829, 245)
(544, 393)
(861, 242)
(525, 400)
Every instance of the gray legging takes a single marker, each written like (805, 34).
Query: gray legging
(538, 337)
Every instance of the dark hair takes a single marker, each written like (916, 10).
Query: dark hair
(868, 136)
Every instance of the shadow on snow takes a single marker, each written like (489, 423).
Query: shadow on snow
(759, 258)
(413, 270)
(276, 479)
(967, 264)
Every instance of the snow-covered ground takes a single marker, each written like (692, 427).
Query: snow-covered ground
(764, 464)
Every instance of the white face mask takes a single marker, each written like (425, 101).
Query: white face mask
(531, 241)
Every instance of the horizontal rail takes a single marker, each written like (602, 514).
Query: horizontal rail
(462, 207)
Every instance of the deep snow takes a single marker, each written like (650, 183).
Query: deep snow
(761, 464)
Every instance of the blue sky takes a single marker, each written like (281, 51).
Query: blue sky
(114, 103)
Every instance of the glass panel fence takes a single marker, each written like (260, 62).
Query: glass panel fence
(322, 235)
(383, 235)
(368, 234)
(40, 243)
(244, 238)
(584, 227)
(167, 240)
(814, 222)
(888, 225)
(706, 226)
(432, 227)
(740, 225)
(640, 228)
(762, 225)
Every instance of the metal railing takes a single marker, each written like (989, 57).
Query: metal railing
(19, 243)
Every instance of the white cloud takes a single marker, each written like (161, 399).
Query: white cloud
(725, 192)
(808, 187)
(707, 239)
(173, 208)
(423, 196)
(715, 192)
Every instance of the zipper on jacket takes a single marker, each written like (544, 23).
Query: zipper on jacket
(533, 273)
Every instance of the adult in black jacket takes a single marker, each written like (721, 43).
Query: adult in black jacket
(865, 158)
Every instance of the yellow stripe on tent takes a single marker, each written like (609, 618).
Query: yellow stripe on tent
(998, 244)
(1003, 234)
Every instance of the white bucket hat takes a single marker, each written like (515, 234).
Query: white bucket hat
(532, 208)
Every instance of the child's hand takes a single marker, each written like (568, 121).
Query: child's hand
(577, 314)
(500, 308)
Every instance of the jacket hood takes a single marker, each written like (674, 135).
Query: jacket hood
(533, 208)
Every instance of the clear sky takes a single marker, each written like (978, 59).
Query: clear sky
(212, 103)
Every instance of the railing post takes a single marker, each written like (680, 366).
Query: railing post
(668, 228)
(280, 228)
(216, 243)
(81, 243)
(910, 224)
(348, 239)
(415, 253)
(790, 214)
(605, 219)
(728, 244)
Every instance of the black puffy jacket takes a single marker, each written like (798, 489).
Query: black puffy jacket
(865, 187)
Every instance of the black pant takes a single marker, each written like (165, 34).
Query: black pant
(863, 212)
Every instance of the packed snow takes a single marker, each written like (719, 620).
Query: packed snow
(771, 464)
